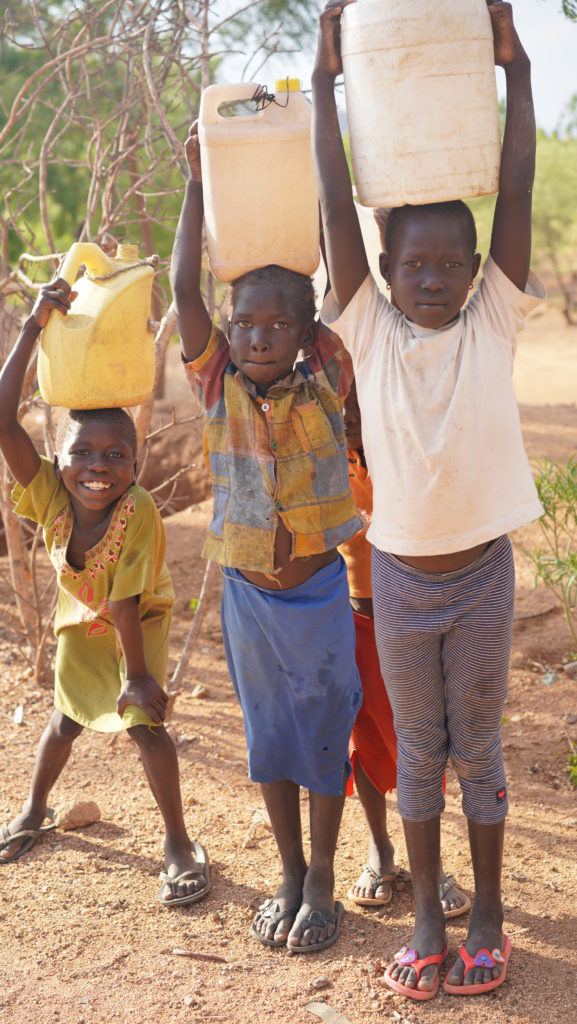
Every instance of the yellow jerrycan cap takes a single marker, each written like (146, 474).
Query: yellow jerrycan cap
(287, 85)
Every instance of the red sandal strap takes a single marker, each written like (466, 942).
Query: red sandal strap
(483, 958)
(419, 965)
(468, 960)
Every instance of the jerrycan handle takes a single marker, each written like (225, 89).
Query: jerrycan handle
(214, 95)
(88, 253)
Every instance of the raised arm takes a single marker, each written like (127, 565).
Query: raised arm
(194, 322)
(511, 238)
(346, 258)
(17, 448)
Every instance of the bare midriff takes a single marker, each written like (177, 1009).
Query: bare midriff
(444, 563)
(289, 572)
(363, 606)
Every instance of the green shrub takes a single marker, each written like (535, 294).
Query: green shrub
(556, 561)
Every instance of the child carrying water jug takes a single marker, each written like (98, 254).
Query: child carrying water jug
(106, 542)
(444, 450)
(275, 444)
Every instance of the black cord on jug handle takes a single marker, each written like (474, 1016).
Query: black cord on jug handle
(263, 98)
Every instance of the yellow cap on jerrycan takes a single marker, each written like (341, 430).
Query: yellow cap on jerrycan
(101, 353)
(287, 85)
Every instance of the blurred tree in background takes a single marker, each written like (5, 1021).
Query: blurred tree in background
(96, 100)
(97, 97)
(554, 210)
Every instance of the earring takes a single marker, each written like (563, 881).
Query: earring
(471, 287)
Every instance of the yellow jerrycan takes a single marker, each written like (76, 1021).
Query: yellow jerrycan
(260, 194)
(421, 100)
(101, 353)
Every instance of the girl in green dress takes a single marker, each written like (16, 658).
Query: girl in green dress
(106, 541)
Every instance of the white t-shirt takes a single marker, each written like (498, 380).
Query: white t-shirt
(441, 430)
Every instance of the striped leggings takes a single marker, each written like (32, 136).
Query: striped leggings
(444, 642)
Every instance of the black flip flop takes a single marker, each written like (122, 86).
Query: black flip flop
(29, 835)
(320, 919)
(268, 912)
(202, 870)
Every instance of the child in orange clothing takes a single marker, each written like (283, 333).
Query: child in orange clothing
(373, 742)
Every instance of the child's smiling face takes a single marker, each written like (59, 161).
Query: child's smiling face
(266, 332)
(431, 266)
(96, 463)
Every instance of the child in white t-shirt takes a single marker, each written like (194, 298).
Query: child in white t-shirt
(443, 446)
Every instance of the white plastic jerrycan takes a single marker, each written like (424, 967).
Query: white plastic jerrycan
(421, 100)
(260, 195)
(101, 353)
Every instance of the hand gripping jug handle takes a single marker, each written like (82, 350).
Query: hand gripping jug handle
(214, 95)
(88, 253)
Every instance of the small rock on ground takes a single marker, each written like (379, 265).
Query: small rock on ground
(77, 814)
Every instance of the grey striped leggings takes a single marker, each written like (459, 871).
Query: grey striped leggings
(444, 642)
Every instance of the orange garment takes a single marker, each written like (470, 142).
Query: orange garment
(373, 742)
(356, 551)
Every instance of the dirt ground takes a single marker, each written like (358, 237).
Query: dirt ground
(84, 940)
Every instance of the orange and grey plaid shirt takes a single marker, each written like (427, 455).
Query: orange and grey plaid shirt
(283, 455)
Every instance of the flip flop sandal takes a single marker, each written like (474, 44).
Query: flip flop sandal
(192, 874)
(407, 957)
(444, 887)
(320, 919)
(483, 958)
(29, 835)
(270, 911)
(376, 881)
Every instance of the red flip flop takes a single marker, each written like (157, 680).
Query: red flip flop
(483, 958)
(407, 957)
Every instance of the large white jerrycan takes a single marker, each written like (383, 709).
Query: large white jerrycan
(421, 100)
(260, 195)
(101, 353)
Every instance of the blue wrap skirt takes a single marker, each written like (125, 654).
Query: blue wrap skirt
(291, 657)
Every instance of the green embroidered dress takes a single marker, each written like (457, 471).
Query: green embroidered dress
(128, 561)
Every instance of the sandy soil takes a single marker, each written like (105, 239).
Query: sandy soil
(84, 940)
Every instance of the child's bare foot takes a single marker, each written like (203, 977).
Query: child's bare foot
(375, 884)
(428, 939)
(453, 901)
(275, 917)
(26, 820)
(179, 859)
(317, 920)
(485, 933)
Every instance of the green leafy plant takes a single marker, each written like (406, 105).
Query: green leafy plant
(572, 762)
(556, 561)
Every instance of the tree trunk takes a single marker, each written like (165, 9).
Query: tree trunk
(175, 684)
(569, 299)
(166, 329)
(19, 563)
